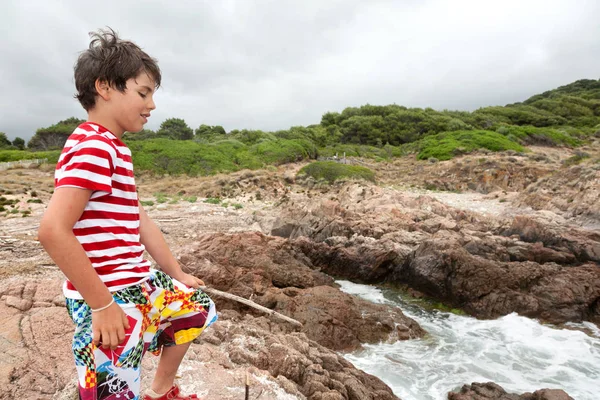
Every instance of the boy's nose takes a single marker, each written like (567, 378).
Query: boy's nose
(151, 105)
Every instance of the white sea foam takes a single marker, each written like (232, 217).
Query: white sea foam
(518, 353)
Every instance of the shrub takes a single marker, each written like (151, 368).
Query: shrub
(283, 151)
(576, 159)
(332, 171)
(530, 135)
(446, 145)
(352, 150)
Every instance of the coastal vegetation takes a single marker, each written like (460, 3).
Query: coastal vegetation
(332, 171)
(566, 116)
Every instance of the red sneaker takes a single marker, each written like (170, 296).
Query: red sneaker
(173, 394)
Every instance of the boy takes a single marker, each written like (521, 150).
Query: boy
(96, 232)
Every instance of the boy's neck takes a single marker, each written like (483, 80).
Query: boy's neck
(106, 122)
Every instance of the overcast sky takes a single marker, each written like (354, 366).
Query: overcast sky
(274, 64)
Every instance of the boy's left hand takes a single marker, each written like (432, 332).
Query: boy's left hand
(190, 280)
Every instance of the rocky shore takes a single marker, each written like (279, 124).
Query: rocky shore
(283, 252)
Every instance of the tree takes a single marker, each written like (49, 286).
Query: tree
(19, 143)
(218, 129)
(144, 134)
(4, 142)
(55, 136)
(203, 130)
(207, 130)
(175, 128)
(362, 130)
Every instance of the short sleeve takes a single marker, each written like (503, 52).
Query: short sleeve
(88, 165)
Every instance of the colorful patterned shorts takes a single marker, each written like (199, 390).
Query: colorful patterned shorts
(161, 312)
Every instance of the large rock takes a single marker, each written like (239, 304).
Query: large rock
(340, 321)
(444, 269)
(35, 336)
(535, 265)
(574, 244)
(573, 191)
(492, 391)
(298, 362)
(278, 275)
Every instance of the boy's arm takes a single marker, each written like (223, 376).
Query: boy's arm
(151, 237)
(57, 237)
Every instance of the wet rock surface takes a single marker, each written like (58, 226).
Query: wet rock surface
(491, 391)
(279, 276)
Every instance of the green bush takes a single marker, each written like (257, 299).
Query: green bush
(386, 152)
(332, 171)
(177, 157)
(531, 135)
(212, 200)
(446, 145)
(283, 150)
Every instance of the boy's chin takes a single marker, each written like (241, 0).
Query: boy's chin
(135, 129)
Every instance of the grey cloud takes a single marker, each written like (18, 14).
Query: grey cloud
(274, 64)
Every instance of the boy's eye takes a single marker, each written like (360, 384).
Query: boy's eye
(143, 95)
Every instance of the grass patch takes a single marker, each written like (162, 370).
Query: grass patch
(16, 155)
(237, 206)
(576, 159)
(7, 202)
(351, 150)
(146, 203)
(38, 201)
(332, 171)
(177, 157)
(212, 200)
(446, 145)
(161, 198)
(191, 199)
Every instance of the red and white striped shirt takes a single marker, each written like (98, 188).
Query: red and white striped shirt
(108, 230)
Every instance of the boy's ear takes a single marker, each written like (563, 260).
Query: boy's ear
(102, 88)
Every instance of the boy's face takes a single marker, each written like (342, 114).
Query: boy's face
(131, 108)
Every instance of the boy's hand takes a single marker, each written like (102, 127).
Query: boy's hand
(109, 326)
(190, 280)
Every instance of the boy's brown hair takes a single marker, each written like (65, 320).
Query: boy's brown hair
(112, 60)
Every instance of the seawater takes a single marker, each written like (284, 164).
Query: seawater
(518, 353)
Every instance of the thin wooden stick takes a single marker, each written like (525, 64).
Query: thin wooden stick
(170, 220)
(251, 304)
(247, 387)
